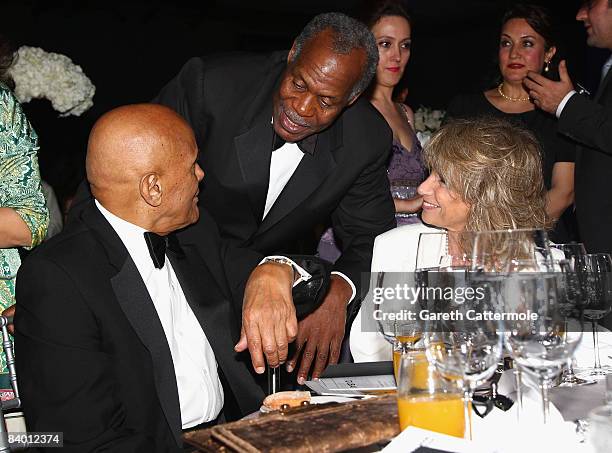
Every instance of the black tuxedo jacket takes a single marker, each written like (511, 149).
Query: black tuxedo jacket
(228, 102)
(589, 122)
(93, 359)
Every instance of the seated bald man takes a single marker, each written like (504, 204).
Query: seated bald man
(125, 330)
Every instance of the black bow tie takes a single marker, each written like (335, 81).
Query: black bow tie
(158, 245)
(306, 145)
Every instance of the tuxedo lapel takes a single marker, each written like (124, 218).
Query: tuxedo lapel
(136, 304)
(254, 143)
(310, 173)
(254, 150)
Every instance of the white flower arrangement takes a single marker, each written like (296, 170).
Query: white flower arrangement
(40, 74)
(426, 122)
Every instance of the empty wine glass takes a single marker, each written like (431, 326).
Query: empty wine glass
(462, 344)
(536, 331)
(520, 250)
(498, 253)
(569, 262)
(597, 284)
(432, 247)
(444, 250)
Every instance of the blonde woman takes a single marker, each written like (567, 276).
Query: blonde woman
(485, 175)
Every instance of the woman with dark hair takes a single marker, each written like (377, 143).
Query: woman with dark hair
(392, 28)
(23, 212)
(528, 43)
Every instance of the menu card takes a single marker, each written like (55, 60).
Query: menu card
(355, 379)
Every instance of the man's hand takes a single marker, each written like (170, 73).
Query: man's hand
(8, 313)
(320, 333)
(548, 94)
(269, 323)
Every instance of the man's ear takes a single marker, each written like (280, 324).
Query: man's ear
(151, 189)
(291, 53)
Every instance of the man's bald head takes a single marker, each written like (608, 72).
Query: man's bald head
(133, 148)
(130, 141)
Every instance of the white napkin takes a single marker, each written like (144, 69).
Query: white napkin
(524, 435)
(585, 355)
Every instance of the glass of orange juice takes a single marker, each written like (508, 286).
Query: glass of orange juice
(425, 399)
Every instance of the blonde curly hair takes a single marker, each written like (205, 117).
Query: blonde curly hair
(496, 168)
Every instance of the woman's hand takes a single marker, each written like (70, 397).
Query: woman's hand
(409, 206)
(9, 313)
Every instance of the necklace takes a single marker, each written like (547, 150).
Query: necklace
(505, 96)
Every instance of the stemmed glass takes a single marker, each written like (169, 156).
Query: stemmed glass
(463, 346)
(507, 251)
(569, 262)
(536, 332)
(432, 248)
(496, 254)
(397, 316)
(597, 283)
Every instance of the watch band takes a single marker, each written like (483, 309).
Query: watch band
(282, 260)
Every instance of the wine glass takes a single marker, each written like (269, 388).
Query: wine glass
(510, 251)
(432, 247)
(464, 346)
(444, 250)
(536, 328)
(404, 189)
(569, 261)
(396, 311)
(597, 284)
(498, 253)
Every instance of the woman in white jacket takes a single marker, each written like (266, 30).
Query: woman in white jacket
(484, 175)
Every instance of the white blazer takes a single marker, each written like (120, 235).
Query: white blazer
(394, 251)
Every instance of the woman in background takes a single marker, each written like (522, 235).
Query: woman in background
(392, 29)
(528, 43)
(23, 212)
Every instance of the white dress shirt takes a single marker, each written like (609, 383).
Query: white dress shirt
(195, 367)
(283, 164)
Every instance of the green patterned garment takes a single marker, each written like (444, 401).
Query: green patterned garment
(19, 185)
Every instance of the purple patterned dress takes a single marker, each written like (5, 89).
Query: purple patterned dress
(406, 170)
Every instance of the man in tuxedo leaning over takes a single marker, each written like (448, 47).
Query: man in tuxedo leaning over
(125, 325)
(287, 144)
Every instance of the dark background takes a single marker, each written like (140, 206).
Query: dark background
(130, 49)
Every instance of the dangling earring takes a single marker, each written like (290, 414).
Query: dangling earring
(546, 66)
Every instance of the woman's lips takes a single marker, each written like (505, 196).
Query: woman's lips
(427, 205)
(516, 66)
(393, 69)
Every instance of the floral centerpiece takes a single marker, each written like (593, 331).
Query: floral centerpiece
(426, 122)
(40, 74)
